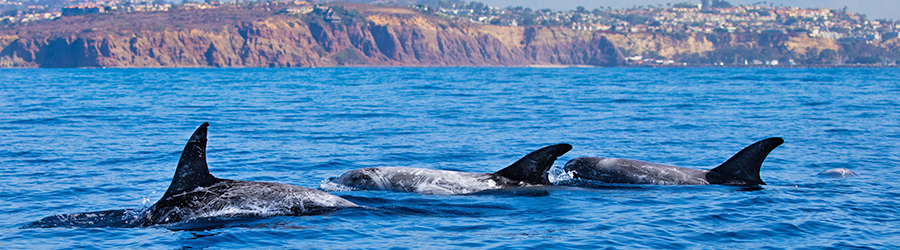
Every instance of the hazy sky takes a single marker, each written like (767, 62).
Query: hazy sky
(874, 9)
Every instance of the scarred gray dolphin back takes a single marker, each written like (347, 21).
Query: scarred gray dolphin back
(192, 171)
(743, 167)
(195, 193)
(533, 168)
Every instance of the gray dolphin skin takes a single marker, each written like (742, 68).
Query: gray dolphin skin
(740, 169)
(195, 193)
(531, 170)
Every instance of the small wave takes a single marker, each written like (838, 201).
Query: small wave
(815, 103)
(365, 115)
(646, 118)
(428, 87)
(333, 163)
(820, 227)
(329, 185)
(843, 131)
(745, 77)
(682, 105)
(592, 184)
(20, 154)
(627, 100)
(684, 127)
(337, 137)
(817, 79)
(202, 107)
(47, 121)
(556, 175)
(211, 223)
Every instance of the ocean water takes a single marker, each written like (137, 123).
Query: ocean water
(88, 140)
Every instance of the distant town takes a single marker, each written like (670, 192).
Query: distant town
(705, 17)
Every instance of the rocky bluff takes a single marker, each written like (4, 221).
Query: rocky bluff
(270, 36)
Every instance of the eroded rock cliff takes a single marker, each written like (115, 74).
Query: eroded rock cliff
(263, 37)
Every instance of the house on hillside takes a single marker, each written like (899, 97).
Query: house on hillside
(81, 10)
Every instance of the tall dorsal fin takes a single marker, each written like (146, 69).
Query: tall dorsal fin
(743, 167)
(192, 171)
(533, 167)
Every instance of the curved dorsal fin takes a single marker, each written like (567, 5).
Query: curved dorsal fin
(533, 167)
(192, 171)
(743, 167)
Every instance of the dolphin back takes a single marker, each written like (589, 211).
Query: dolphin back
(533, 167)
(743, 167)
(192, 171)
(195, 193)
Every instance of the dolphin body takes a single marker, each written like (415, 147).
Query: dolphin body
(531, 170)
(740, 169)
(195, 193)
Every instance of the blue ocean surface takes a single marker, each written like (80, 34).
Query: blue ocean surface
(77, 142)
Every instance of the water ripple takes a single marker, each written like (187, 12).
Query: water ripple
(108, 140)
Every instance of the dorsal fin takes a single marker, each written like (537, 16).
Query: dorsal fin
(743, 167)
(192, 171)
(533, 167)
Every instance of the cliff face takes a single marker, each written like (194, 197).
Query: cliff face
(664, 46)
(385, 37)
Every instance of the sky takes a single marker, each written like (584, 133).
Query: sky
(873, 9)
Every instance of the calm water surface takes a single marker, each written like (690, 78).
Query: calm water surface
(84, 140)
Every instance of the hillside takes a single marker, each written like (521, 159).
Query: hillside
(267, 36)
(347, 34)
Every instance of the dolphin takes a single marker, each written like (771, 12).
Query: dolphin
(195, 193)
(531, 170)
(740, 169)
